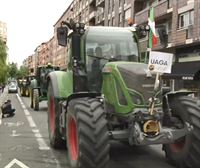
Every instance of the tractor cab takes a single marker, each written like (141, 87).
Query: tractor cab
(91, 48)
(107, 44)
(42, 73)
(39, 86)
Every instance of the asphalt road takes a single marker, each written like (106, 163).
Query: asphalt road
(24, 143)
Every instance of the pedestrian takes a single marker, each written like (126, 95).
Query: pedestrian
(7, 109)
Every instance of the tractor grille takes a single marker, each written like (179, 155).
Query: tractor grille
(135, 78)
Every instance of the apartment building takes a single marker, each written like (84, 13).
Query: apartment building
(25, 62)
(177, 18)
(31, 64)
(3, 31)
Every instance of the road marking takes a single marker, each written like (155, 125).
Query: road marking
(42, 144)
(26, 112)
(11, 124)
(17, 162)
(31, 122)
(14, 134)
(23, 106)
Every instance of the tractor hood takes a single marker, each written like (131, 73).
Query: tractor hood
(135, 79)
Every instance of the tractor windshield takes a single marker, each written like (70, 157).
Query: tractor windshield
(104, 44)
(111, 43)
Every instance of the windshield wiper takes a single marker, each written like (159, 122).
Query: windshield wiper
(93, 56)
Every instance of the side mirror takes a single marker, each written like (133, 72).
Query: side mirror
(62, 36)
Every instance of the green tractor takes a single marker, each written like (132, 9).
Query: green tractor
(106, 94)
(38, 86)
(24, 85)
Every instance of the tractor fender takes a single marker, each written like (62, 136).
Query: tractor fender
(61, 83)
(172, 94)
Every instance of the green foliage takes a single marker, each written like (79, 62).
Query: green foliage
(23, 71)
(15, 73)
(12, 70)
(3, 57)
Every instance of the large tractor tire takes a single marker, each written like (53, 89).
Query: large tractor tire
(36, 99)
(87, 134)
(31, 96)
(27, 92)
(21, 92)
(185, 152)
(55, 137)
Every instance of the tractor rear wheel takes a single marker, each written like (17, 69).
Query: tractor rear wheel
(36, 99)
(55, 137)
(185, 152)
(87, 134)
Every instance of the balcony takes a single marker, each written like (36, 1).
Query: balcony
(161, 9)
(181, 36)
(92, 15)
(141, 17)
(100, 19)
(100, 3)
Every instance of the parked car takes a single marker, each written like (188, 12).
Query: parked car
(12, 87)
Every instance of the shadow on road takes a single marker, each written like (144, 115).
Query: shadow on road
(137, 156)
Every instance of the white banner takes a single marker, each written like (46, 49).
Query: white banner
(160, 62)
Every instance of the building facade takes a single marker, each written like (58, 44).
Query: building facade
(182, 26)
(179, 19)
(3, 31)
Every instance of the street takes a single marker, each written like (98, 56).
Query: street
(24, 143)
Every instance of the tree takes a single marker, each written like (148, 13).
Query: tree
(23, 71)
(12, 70)
(3, 57)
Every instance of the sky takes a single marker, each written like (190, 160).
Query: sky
(29, 23)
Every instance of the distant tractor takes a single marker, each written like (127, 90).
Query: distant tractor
(24, 85)
(106, 93)
(38, 86)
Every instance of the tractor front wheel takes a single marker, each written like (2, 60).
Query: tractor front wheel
(21, 92)
(27, 92)
(55, 137)
(87, 134)
(36, 99)
(31, 96)
(185, 152)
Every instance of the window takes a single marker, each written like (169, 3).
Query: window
(120, 17)
(113, 21)
(186, 19)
